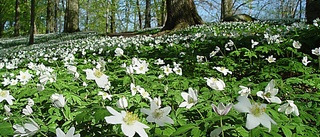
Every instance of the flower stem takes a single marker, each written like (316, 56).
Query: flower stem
(200, 113)
(221, 126)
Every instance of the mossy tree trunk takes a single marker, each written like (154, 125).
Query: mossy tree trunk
(312, 10)
(181, 14)
(17, 19)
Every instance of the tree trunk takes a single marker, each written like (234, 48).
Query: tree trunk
(181, 14)
(113, 16)
(56, 20)
(50, 16)
(162, 12)
(72, 16)
(31, 39)
(139, 14)
(312, 10)
(17, 20)
(147, 23)
(226, 8)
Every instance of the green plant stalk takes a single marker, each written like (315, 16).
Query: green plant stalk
(221, 125)
(200, 113)
(319, 62)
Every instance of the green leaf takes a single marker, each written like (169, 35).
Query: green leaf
(100, 114)
(6, 129)
(184, 129)
(287, 132)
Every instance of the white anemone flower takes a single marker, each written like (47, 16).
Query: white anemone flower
(221, 109)
(5, 95)
(27, 129)
(129, 122)
(58, 100)
(289, 107)
(157, 114)
(166, 69)
(30, 102)
(271, 59)
(223, 70)
(256, 113)
(24, 77)
(122, 103)
(105, 95)
(100, 78)
(316, 51)
(191, 98)
(305, 61)
(245, 91)
(70, 133)
(177, 70)
(118, 52)
(215, 83)
(254, 43)
(270, 93)
(27, 111)
(296, 44)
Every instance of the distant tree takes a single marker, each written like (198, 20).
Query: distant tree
(139, 14)
(181, 14)
(32, 26)
(72, 16)
(312, 10)
(17, 19)
(147, 13)
(50, 16)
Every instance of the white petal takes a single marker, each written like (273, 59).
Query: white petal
(146, 111)
(128, 130)
(275, 100)
(114, 119)
(252, 121)
(283, 107)
(183, 104)
(70, 132)
(140, 129)
(166, 110)
(150, 118)
(260, 94)
(243, 105)
(112, 111)
(265, 121)
(60, 133)
(167, 119)
(185, 96)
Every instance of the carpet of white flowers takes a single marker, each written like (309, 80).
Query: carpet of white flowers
(219, 79)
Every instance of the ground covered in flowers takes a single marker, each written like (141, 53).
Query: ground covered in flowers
(219, 79)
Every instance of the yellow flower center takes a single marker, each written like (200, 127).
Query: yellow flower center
(24, 77)
(268, 94)
(3, 94)
(157, 114)
(130, 118)
(190, 100)
(256, 110)
(97, 73)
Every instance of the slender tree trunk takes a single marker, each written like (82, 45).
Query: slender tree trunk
(107, 17)
(147, 23)
(32, 22)
(50, 16)
(163, 12)
(139, 14)
(1, 27)
(176, 19)
(87, 16)
(72, 16)
(113, 16)
(312, 10)
(17, 19)
(56, 20)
